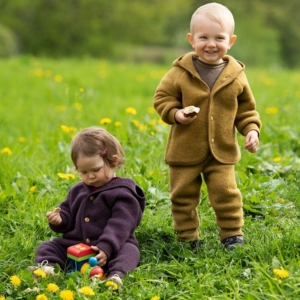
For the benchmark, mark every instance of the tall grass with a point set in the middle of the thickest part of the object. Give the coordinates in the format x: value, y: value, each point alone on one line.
x: 44, y: 102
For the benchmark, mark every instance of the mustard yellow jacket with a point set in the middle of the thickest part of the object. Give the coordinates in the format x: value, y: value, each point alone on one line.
x: 230, y: 105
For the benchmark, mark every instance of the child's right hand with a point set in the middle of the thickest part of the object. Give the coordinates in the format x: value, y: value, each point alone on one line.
x: 54, y: 217
x: 181, y: 118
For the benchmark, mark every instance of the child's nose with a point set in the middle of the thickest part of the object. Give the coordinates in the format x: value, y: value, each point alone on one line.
x: 211, y: 43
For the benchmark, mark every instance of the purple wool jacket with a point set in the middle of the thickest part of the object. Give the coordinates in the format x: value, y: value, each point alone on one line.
x: 106, y: 218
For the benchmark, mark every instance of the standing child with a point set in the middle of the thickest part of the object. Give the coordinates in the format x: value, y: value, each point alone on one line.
x: 102, y: 211
x: 206, y: 143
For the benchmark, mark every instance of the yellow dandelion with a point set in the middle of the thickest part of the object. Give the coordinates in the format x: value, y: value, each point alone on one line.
x: 277, y: 159
x: 160, y: 121
x: 81, y: 90
x: 281, y: 200
x: 135, y: 123
x: 151, y: 110
x: 142, y: 127
x: 67, y: 295
x: 66, y: 176
x: 111, y: 284
x: 52, y: 288
x: 32, y: 188
x: 281, y: 273
x: 152, y: 133
x: 77, y: 105
x: 68, y: 129
x: 41, y: 297
x: 153, y: 122
x: 15, y: 280
x: 38, y: 72
x: 118, y: 124
x: 21, y: 139
x: 105, y: 121
x: 131, y: 110
x: 271, y: 110
x: 60, y: 108
x: 40, y: 273
x: 2, y: 298
x: 155, y: 298
x: 58, y: 78
x: 269, y: 81
x: 6, y: 150
x: 86, y: 290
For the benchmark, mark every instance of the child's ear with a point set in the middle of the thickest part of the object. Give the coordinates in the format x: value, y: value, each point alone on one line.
x: 190, y: 39
x: 232, y: 41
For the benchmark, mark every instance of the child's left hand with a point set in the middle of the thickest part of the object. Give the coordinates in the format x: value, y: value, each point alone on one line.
x: 101, y: 256
x: 252, y: 141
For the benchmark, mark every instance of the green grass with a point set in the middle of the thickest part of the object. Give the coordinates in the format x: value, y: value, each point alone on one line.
x: 38, y: 96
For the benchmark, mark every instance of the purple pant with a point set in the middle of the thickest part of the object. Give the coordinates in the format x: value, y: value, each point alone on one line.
x: 55, y: 252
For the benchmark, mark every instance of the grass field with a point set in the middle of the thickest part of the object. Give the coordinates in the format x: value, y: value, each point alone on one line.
x: 44, y: 102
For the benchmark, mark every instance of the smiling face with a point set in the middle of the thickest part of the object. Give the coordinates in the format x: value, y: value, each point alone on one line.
x: 210, y: 39
x: 93, y: 170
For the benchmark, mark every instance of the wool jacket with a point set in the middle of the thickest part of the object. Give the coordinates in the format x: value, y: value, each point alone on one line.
x: 106, y: 218
x: 228, y: 106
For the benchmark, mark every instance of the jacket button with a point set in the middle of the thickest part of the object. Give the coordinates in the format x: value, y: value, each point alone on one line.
x: 212, y: 118
x: 212, y: 140
x: 87, y: 219
x: 88, y: 240
x: 92, y: 198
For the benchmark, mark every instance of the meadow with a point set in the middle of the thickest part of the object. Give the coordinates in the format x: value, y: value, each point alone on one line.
x: 45, y: 102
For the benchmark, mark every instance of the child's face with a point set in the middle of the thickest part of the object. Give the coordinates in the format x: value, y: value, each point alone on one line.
x: 210, y: 40
x: 94, y: 171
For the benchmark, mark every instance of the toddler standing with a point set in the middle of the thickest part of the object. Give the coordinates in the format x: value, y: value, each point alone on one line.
x: 206, y: 143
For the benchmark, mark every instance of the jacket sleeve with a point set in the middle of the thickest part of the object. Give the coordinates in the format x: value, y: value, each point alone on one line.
x: 126, y: 214
x: 167, y: 97
x: 247, y: 117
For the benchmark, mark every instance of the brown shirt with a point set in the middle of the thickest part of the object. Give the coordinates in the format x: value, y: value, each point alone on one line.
x: 209, y: 73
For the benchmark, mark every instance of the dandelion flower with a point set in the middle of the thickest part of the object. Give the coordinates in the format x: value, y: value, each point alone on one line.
x: 6, y: 150
x: 151, y: 110
x: 271, y: 110
x: 135, y: 123
x: 66, y: 176
x: 21, y: 139
x: 58, y: 78
x: 105, y: 121
x: 111, y: 284
x: 41, y: 297
x: 118, y: 124
x: 15, y: 280
x: 2, y: 298
x: 277, y: 159
x: 86, y: 290
x: 32, y: 188
x: 155, y: 298
x: 68, y: 129
x: 281, y: 273
x: 77, y: 105
x: 52, y: 288
x: 81, y: 90
x: 67, y: 295
x: 281, y: 200
x: 131, y: 110
x: 40, y: 273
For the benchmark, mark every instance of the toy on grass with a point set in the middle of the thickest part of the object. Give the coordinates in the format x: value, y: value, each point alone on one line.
x: 82, y: 259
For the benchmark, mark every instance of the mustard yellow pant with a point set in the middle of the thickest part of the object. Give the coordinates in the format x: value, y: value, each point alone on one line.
x: 224, y: 196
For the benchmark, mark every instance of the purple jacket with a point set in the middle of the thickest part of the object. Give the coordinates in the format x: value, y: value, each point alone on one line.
x: 106, y: 218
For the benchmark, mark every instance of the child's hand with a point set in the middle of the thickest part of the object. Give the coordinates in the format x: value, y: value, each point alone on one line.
x: 54, y: 217
x: 101, y: 256
x: 181, y: 118
x: 252, y: 141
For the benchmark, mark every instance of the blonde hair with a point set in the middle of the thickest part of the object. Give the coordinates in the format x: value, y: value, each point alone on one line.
x: 95, y: 140
x: 217, y: 12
